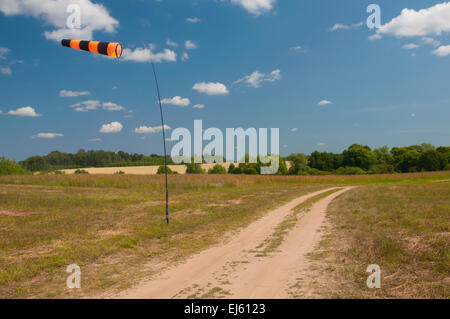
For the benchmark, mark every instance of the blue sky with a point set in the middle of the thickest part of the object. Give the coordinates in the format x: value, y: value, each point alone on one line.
x: 311, y: 68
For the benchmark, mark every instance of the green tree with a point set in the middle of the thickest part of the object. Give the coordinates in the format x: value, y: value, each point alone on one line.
x: 10, y: 167
x: 406, y: 159
x: 359, y: 156
x: 432, y: 160
x: 299, y: 163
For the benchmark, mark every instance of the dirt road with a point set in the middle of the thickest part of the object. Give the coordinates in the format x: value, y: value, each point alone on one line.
x: 234, y: 270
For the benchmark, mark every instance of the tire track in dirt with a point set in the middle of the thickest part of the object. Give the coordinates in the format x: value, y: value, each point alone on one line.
x: 231, y: 270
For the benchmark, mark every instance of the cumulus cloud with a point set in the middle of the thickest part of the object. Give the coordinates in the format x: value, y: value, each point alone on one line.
x: 91, y: 105
x: 185, y: 56
x: 199, y: 106
x: 189, y: 45
x: 146, y: 54
x: 443, y: 50
x: 257, y: 78
x: 426, y: 22
x: 177, y: 101
x: 193, y: 20
x: 296, y: 48
x: 47, y: 135
x: 324, y: 102
x: 150, y: 130
x: 294, y: 129
x: 211, y: 88
x: 94, y: 17
x: 26, y: 111
x: 69, y: 93
x: 410, y: 46
x: 5, y: 71
x: 113, y: 127
x: 256, y: 7
x: 94, y: 140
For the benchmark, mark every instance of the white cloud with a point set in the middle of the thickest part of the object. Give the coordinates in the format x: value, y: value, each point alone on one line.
x: 324, y: 102
x: 5, y: 71
x: 94, y: 17
x: 297, y: 48
x: 94, y: 140
x: 410, y: 46
x: 1, y: 111
x: 199, y: 106
x: 110, y: 106
x: 341, y: 26
x: 193, y: 20
x: 321, y: 144
x: 257, y: 78
x: 150, y: 130
x: 256, y: 7
x: 69, y: 93
x: 177, y: 101
x: 211, y: 88
x: 294, y: 129
x: 185, y: 56
x: 375, y: 36
x: 171, y: 43
x: 443, y: 50
x: 86, y: 105
x: 431, y: 41
x: 147, y: 55
x: 47, y: 135
x: 91, y: 105
x: 24, y: 111
x: 3, y: 52
x: 189, y: 45
x: 113, y: 127
x: 410, y: 23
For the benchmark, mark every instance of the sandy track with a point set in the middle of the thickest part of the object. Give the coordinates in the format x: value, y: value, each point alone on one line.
x: 233, y: 270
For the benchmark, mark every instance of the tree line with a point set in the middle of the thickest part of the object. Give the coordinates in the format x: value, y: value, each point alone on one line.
x: 357, y: 159
x: 58, y: 160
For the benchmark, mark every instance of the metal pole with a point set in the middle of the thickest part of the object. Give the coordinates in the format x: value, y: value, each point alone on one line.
x: 164, y: 141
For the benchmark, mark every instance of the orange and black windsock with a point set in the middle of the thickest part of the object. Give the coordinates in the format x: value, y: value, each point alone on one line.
x: 112, y: 49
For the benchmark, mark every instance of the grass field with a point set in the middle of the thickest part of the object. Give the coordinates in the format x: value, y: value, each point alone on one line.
x: 113, y: 226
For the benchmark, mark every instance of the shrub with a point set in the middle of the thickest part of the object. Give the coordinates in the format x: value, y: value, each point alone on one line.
x: 350, y: 170
x: 119, y: 173
x: 162, y: 170
x: 217, y: 169
x: 81, y: 171
x: 194, y: 168
x: 10, y: 167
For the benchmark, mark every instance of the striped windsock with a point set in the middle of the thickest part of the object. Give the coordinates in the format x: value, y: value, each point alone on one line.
x: 112, y: 49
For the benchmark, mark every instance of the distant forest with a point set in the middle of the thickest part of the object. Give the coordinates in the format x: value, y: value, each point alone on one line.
x: 357, y: 159
x: 57, y: 160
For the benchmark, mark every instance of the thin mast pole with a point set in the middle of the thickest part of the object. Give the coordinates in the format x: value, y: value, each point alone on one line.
x: 164, y: 141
